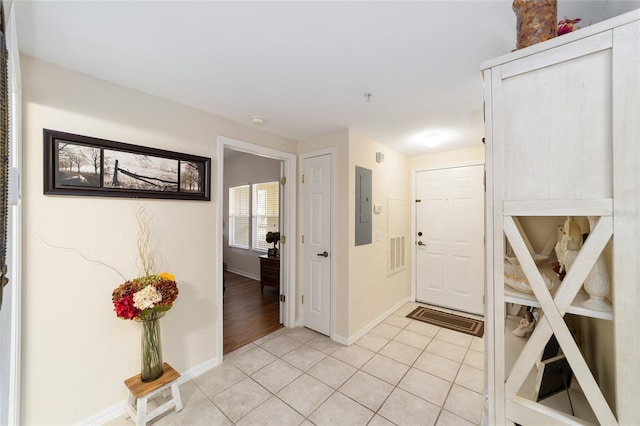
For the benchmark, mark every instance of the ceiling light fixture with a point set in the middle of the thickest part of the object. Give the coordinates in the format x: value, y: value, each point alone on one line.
x: 257, y: 120
x: 432, y: 139
x: 368, y: 96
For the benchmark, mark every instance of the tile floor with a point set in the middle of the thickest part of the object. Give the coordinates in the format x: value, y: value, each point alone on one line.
x: 403, y: 372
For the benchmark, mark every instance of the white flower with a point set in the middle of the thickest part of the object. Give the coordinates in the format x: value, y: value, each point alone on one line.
x: 145, y: 298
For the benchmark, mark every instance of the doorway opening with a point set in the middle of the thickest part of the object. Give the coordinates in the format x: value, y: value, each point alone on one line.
x: 255, y: 199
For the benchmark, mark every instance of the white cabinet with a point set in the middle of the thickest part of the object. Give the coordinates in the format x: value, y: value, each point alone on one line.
x: 563, y: 139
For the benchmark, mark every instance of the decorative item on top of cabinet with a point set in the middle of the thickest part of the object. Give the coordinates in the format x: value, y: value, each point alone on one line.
x: 535, y: 21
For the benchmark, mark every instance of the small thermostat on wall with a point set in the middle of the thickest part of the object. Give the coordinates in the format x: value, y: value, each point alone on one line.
x: 377, y: 208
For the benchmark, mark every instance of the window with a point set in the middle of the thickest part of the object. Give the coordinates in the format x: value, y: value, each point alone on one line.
x: 239, y: 216
x: 257, y: 205
x: 266, y: 210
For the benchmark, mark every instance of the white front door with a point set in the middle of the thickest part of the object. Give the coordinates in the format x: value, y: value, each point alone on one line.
x: 316, y: 243
x: 450, y: 238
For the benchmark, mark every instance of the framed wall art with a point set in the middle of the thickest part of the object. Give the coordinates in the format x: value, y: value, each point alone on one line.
x: 87, y: 166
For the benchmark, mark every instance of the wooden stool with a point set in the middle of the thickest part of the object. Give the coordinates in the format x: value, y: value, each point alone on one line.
x: 140, y: 392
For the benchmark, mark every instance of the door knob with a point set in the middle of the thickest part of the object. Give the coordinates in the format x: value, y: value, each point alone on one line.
x: 323, y: 254
x: 420, y: 243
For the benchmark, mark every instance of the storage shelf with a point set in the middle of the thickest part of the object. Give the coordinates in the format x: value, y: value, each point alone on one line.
x: 559, y: 401
x: 512, y: 295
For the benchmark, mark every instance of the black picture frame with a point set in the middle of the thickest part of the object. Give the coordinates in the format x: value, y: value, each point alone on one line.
x: 88, y: 166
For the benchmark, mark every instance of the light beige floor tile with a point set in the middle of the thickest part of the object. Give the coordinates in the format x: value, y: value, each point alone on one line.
x: 426, y: 386
x: 411, y: 338
x: 242, y: 349
x: 332, y: 372
x: 273, y: 412
x: 253, y: 360
x: 301, y: 334
x: 120, y: 421
x: 477, y: 344
x: 373, y: 342
x: 219, y: 378
x: 280, y: 345
x: 340, y: 410
x: 400, y: 352
x: 423, y: 328
x: 367, y: 390
x: 266, y: 338
x: 402, y: 408
x: 437, y: 365
x: 397, y: 320
x: 475, y: 359
x: 454, y: 337
x: 324, y: 344
x: 240, y: 399
x: 353, y: 355
x: 465, y: 403
x: 448, y: 419
x: 386, y: 330
x: 304, y: 357
x: 471, y: 378
x: 387, y: 369
x: 276, y: 375
x: 446, y: 350
x: 305, y: 394
x: 406, y: 309
x: 379, y: 421
x: 203, y: 413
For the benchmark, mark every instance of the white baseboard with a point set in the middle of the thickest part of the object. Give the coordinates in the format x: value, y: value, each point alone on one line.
x: 349, y: 341
x: 105, y: 416
x: 244, y: 274
x: 118, y: 410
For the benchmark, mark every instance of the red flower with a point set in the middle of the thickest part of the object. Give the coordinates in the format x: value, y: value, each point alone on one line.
x: 124, y: 307
x: 567, y: 25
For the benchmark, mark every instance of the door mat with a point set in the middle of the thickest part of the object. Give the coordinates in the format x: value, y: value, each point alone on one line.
x: 454, y: 322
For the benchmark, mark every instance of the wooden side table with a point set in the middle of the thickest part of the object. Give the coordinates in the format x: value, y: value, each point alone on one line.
x: 141, y: 392
x: 269, y: 272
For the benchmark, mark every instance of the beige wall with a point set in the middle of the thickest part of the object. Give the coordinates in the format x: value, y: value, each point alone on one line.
x: 75, y: 352
x: 448, y: 158
x: 243, y: 169
x: 371, y: 291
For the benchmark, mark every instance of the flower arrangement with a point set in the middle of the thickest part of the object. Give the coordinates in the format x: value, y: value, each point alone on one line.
x: 145, y: 297
x: 568, y: 25
x: 149, y: 295
x: 272, y: 237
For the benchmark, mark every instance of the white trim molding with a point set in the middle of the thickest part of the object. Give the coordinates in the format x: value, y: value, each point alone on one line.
x: 288, y: 249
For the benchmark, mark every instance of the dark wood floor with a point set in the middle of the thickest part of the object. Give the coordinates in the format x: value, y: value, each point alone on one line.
x: 247, y: 314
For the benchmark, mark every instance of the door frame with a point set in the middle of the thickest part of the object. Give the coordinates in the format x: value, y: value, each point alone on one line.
x: 288, y: 259
x: 414, y: 253
x: 332, y: 197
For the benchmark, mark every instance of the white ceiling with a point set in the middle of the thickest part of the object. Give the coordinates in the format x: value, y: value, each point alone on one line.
x: 303, y: 66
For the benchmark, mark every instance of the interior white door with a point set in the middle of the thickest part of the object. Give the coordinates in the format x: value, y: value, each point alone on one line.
x: 450, y: 238
x: 316, y: 251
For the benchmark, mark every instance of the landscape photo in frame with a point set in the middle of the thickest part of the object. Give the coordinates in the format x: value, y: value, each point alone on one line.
x: 87, y: 166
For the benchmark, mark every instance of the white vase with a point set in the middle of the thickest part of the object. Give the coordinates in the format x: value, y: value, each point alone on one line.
x: 597, y: 283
